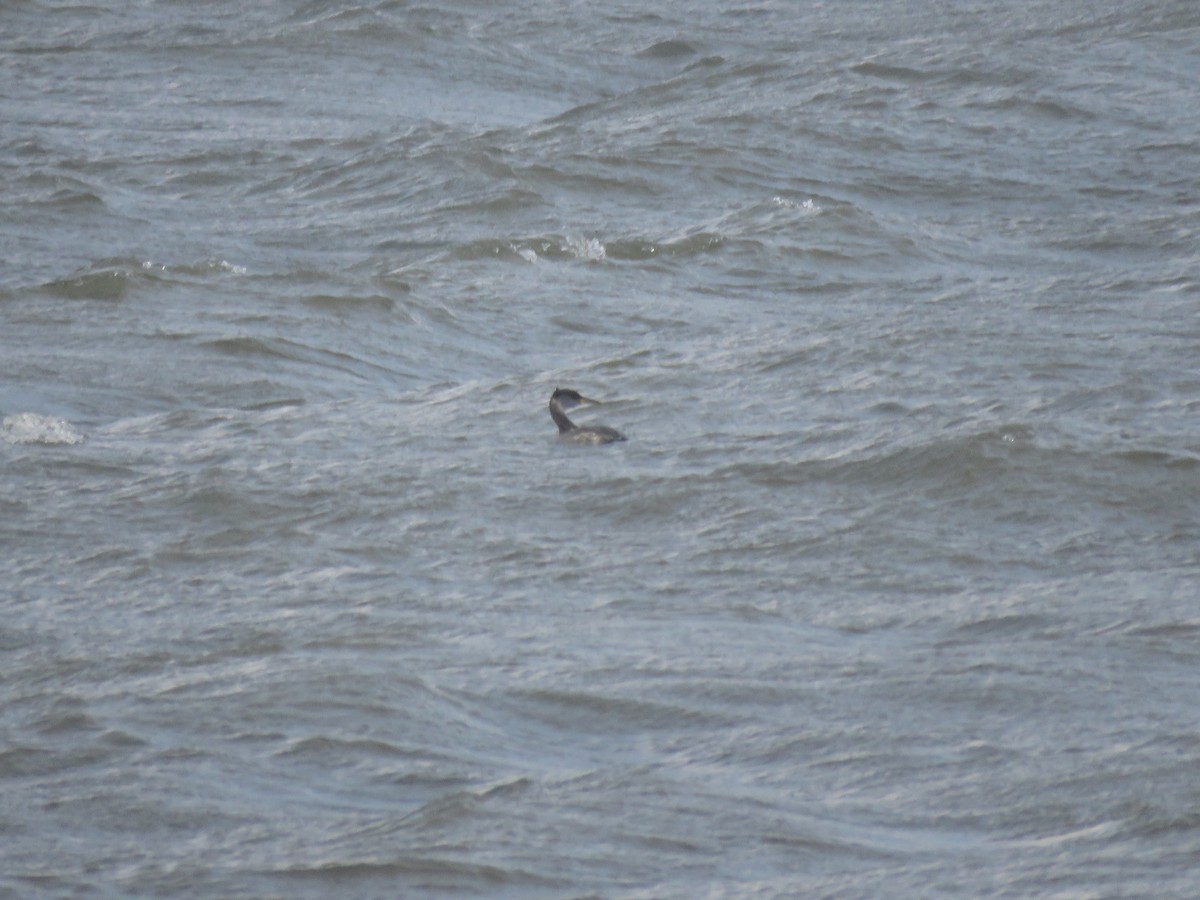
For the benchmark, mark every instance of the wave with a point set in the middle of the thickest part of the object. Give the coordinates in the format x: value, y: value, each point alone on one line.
x: 104, y: 284
x: 1012, y: 459
x: 753, y: 227
x: 112, y: 279
x: 58, y: 191
x: 34, y: 428
x: 588, y: 248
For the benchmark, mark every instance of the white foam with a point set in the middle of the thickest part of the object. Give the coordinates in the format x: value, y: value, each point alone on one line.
x: 808, y: 204
x: 585, y: 248
x: 31, y: 428
x: 201, y: 268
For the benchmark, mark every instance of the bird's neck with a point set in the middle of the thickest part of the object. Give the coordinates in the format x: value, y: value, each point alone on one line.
x: 560, y: 419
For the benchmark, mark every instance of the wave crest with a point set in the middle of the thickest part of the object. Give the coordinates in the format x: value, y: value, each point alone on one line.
x: 32, y: 428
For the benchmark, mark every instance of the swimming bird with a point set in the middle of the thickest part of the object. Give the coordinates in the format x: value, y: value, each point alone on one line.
x: 563, y: 399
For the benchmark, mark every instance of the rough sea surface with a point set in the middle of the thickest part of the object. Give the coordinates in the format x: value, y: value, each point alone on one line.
x: 894, y: 590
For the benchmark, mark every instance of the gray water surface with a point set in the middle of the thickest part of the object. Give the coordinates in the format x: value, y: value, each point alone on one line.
x: 891, y: 592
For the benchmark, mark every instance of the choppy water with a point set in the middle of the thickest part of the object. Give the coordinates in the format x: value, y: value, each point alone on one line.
x: 892, y: 591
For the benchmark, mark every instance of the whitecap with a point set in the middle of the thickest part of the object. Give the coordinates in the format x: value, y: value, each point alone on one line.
x: 585, y: 248
x: 807, y: 204
x: 31, y: 428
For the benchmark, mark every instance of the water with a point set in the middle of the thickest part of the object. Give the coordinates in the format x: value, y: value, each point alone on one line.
x: 891, y: 591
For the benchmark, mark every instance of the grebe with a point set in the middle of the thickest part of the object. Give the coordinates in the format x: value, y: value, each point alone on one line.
x: 563, y: 399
